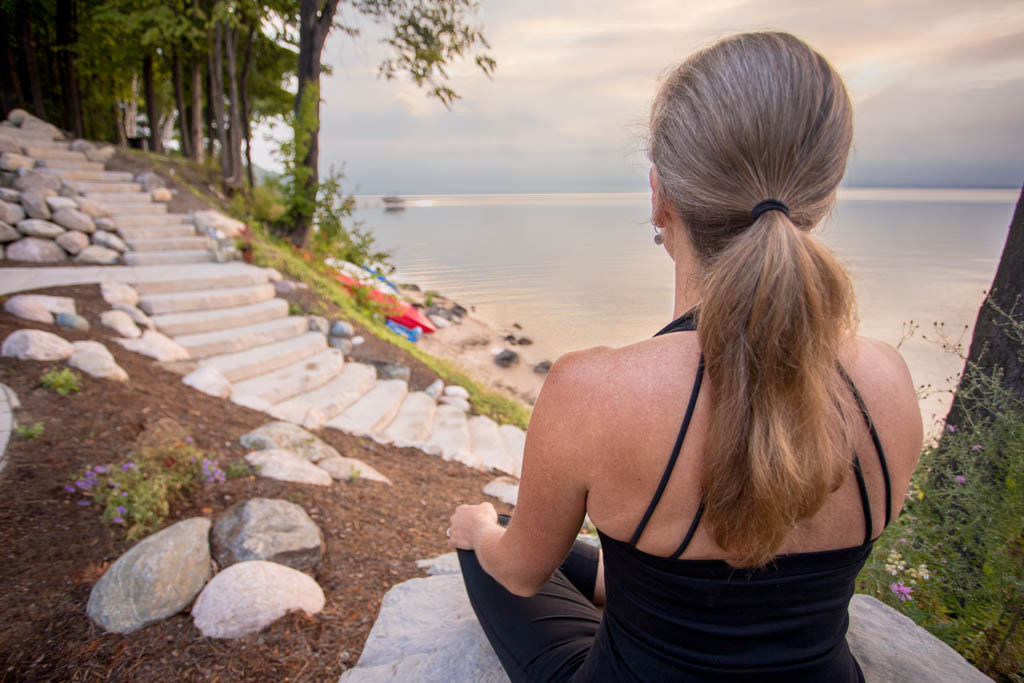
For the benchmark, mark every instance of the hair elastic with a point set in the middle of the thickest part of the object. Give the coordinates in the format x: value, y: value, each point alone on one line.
x: 768, y: 205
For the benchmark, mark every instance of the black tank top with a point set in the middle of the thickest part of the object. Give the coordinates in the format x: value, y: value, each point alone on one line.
x: 669, y: 619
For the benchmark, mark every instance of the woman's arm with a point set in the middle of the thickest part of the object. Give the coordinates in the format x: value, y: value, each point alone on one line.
x: 558, y: 459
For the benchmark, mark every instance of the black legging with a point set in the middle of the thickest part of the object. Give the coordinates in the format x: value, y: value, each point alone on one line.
x: 545, y: 637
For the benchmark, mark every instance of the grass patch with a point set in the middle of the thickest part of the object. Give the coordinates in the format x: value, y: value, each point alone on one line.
x: 30, y: 432
x: 63, y: 380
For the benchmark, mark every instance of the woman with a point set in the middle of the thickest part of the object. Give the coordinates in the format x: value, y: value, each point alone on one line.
x: 739, y: 465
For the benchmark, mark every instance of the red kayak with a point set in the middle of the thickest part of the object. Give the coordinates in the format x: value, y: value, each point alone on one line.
x: 394, y: 308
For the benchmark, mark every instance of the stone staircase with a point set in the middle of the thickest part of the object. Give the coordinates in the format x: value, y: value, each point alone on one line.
x: 231, y: 321
x: 153, y: 235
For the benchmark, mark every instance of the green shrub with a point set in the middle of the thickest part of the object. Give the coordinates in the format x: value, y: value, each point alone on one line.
x: 238, y: 470
x: 30, y: 432
x: 62, y: 380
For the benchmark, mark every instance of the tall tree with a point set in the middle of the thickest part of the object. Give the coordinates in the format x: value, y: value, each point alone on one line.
x: 426, y: 35
x: 66, y: 28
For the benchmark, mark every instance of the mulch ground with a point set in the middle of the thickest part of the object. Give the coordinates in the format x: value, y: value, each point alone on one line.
x: 53, y: 550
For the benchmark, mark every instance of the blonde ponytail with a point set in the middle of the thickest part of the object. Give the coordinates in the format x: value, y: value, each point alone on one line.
x: 755, y: 117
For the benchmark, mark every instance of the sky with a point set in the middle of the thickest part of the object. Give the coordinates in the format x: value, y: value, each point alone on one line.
x: 937, y: 86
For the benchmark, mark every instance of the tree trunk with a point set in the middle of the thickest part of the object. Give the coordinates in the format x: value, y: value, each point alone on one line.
x: 244, y: 86
x: 197, y: 109
x: 315, y: 21
x: 65, y: 26
x: 216, y: 94
x: 11, y: 95
x: 179, y: 100
x: 131, y: 110
x: 28, y: 43
x: 233, y: 180
x: 152, y: 113
x: 991, y: 348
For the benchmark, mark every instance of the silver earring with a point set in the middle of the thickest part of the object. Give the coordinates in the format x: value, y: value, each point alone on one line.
x: 658, y: 239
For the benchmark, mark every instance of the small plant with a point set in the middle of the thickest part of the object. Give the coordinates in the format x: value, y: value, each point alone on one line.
x: 243, y: 243
x: 295, y: 309
x: 212, y: 472
x: 354, y: 474
x: 238, y: 470
x: 64, y: 380
x: 30, y: 432
x: 429, y: 296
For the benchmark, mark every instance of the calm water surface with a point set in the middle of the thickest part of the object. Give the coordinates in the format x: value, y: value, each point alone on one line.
x: 580, y: 270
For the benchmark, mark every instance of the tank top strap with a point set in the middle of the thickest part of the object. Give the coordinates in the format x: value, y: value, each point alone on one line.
x: 672, y: 460
x: 878, y: 449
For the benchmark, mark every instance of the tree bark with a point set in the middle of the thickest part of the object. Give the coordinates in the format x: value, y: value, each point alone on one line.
x: 991, y: 348
x: 233, y: 155
x: 179, y: 100
x: 152, y: 113
x: 315, y: 20
x: 216, y: 94
x: 65, y: 26
x: 28, y: 43
x: 244, y: 86
x: 197, y: 109
x: 11, y: 95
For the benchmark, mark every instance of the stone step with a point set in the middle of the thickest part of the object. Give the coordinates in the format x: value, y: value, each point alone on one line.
x: 206, y: 299
x: 157, y: 232
x: 19, y: 138
x: 46, y: 152
x: 157, y: 258
x: 304, y: 375
x: 170, y: 243
x: 115, y: 197
x: 237, y: 339
x: 412, y: 424
x: 374, y: 411
x: 263, y: 359
x: 332, y: 398
x: 69, y: 165
x: 135, y: 208
x: 147, y: 220
x: 487, y: 444
x: 88, y: 187
x: 515, y: 442
x: 197, y: 322
x: 72, y: 175
x: 450, y: 435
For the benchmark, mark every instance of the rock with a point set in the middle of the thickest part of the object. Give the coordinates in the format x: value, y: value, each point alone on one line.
x: 17, y: 116
x: 442, y: 564
x: 287, y: 466
x: 251, y: 401
x: 505, y: 489
x: 35, y: 250
x: 9, y: 146
x: 435, y: 389
x: 72, y: 241
x: 38, y: 307
x: 7, y: 194
x: 357, y: 340
x: 10, y: 161
x: 155, y: 345
x: 456, y: 391
x: 73, y: 219
x: 426, y: 631
x: 506, y: 359
x: 101, y: 155
x: 58, y: 203
x: 287, y: 436
x: 391, y: 370
x: 161, y: 194
x: 109, y: 240
x: 891, y: 648
x: 248, y: 596
x: 136, y: 315
x: 267, y: 529
x: 107, y: 224
x: 150, y: 181
x: 272, y: 274
x: 8, y: 234
x: 120, y: 322
x: 439, y: 322
x: 72, y: 320
x: 211, y: 221
x: 36, y: 227
x: 35, y: 345
x: 157, y: 578
x: 340, y: 343
x: 343, y: 469
x: 95, y: 359
x: 95, y: 210
x: 41, y: 128
x: 543, y: 367
x: 209, y: 381
x: 80, y: 145
x: 318, y: 323
x: 119, y: 293
x: 11, y: 213
x: 98, y: 255
x: 35, y: 205
x: 460, y: 403
x: 33, y: 181
x: 343, y: 328
x: 524, y: 341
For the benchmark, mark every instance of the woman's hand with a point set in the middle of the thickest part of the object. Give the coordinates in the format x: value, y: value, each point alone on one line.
x: 467, y: 523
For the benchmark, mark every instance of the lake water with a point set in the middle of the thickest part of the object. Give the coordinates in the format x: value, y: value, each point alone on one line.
x: 580, y: 270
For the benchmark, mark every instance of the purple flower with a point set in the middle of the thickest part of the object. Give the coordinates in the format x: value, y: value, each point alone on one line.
x: 976, y: 447
x: 902, y: 592
x: 121, y: 509
x: 118, y: 520
x: 84, y: 485
x: 84, y: 502
x: 124, y: 493
x: 188, y: 439
x: 129, y: 466
x: 961, y: 479
x: 89, y: 474
x: 951, y: 428
x: 113, y: 484
x: 102, y: 469
x: 69, y: 489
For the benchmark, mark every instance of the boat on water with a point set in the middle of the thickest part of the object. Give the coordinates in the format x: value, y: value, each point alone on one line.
x: 392, y: 200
